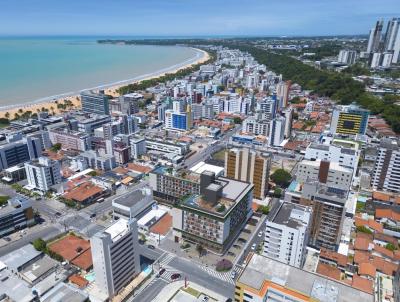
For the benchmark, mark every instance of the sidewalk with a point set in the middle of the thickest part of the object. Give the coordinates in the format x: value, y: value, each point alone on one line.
x: 171, y: 289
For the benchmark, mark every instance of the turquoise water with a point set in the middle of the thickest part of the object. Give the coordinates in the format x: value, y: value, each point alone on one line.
x: 90, y: 277
x: 35, y: 68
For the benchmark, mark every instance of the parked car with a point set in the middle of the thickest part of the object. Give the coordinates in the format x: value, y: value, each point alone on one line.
x: 162, y: 271
x: 175, y: 276
x: 92, y: 215
x: 205, y: 299
x: 260, y: 234
x: 152, y: 247
x: 253, y: 247
x: 8, y: 239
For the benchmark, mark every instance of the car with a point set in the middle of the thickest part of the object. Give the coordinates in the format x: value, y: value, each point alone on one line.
x: 58, y: 214
x: 260, y: 234
x: 253, y: 247
x: 175, y: 276
x: 162, y: 271
x: 92, y: 215
x: 233, y: 275
x: 8, y: 239
x: 205, y: 299
x: 152, y: 247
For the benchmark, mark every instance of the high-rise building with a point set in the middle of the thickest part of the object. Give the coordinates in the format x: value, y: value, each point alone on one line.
x: 247, y: 165
x: 328, y: 212
x: 376, y: 60
x: 286, y: 233
x: 350, y: 120
x: 392, y: 39
x: 345, y: 156
x: 375, y: 36
x: 95, y: 103
x: 115, y: 253
x: 20, y: 151
x: 138, y: 146
x: 255, y: 126
x: 43, y: 173
x: 347, y: 56
x: 276, y: 131
x: 329, y: 173
x: 386, y: 175
x: 213, y: 217
x: 266, y: 279
x: 282, y: 92
x: 180, y: 117
x: 387, y: 58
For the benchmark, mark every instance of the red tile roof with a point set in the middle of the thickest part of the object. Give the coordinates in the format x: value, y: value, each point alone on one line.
x: 362, y: 284
x: 367, y: 269
x: 84, y: 260
x: 340, y: 259
x: 329, y: 271
x: 387, y: 213
x: 162, y: 226
x: 78, y: 280
x: 70, y: 247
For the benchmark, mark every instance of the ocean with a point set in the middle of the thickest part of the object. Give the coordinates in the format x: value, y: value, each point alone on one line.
x: 34, y: 69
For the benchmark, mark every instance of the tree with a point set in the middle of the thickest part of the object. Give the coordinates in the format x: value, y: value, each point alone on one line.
x: 277, y: 192
x: 7, y: 115
x: 200, y: 249
x: 281, y: 177
x: 390, y: 247
x: 263, y: 209
x: 56, y: 147
x: 223, y: 265
x: 92, y: 173
x: 237, y: 120
x: 39, y: 244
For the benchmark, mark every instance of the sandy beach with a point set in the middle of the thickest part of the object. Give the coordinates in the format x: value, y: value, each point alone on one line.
x: 50, y: 103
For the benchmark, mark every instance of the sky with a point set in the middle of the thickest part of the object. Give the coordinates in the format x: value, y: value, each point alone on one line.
x: 193, y: 17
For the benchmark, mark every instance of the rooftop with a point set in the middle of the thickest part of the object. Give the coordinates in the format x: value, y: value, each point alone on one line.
x: 130, y: 199
x: 290, y: 214
x: 19, y: 257
x: 70, y: 247
x: 232, y: 192
x: 117, y: 230
x: 66, y: 293
x: 261, y: 269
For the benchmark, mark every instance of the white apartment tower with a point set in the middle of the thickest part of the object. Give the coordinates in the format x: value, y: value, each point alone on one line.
x: 43, y: 173
x: 115, y: 253
x: 287, y: 233
x: 276, y: 131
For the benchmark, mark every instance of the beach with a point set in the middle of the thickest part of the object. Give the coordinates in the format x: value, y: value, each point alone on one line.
x: 50, y: 103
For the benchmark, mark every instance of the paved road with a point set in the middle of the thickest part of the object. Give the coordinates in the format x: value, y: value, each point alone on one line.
x: 150, y: 292
x: 45, y: 233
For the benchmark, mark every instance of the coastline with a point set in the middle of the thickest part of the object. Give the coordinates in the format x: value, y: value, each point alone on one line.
x: 51, y: 101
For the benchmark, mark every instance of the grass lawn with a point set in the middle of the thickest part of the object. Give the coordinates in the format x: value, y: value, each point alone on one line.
x: 4, y: 199
x: 191, y: 291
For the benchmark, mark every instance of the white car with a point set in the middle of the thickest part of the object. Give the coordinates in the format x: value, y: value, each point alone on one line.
x: 260, y: 234
x: 253, y: 247
x: 233, y: 275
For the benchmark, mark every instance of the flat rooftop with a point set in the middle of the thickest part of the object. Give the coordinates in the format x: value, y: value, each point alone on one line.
x: 232, y: 192
x: 289, y: 214
x: 118, y: 229
x: 131, y: 198
x: 261, y: 269
x: 19, y: 257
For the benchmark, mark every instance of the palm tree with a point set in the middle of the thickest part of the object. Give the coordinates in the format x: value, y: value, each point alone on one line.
x: 16, y: 116
x: 7, y: 115
x: 37, y: 110
x: 20, y: 110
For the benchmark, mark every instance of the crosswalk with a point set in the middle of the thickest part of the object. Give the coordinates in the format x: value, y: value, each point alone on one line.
x: 222, y: 276
x: 166, y: 258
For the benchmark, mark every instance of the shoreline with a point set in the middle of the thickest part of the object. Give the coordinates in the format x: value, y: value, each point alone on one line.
x: 110, y: 88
